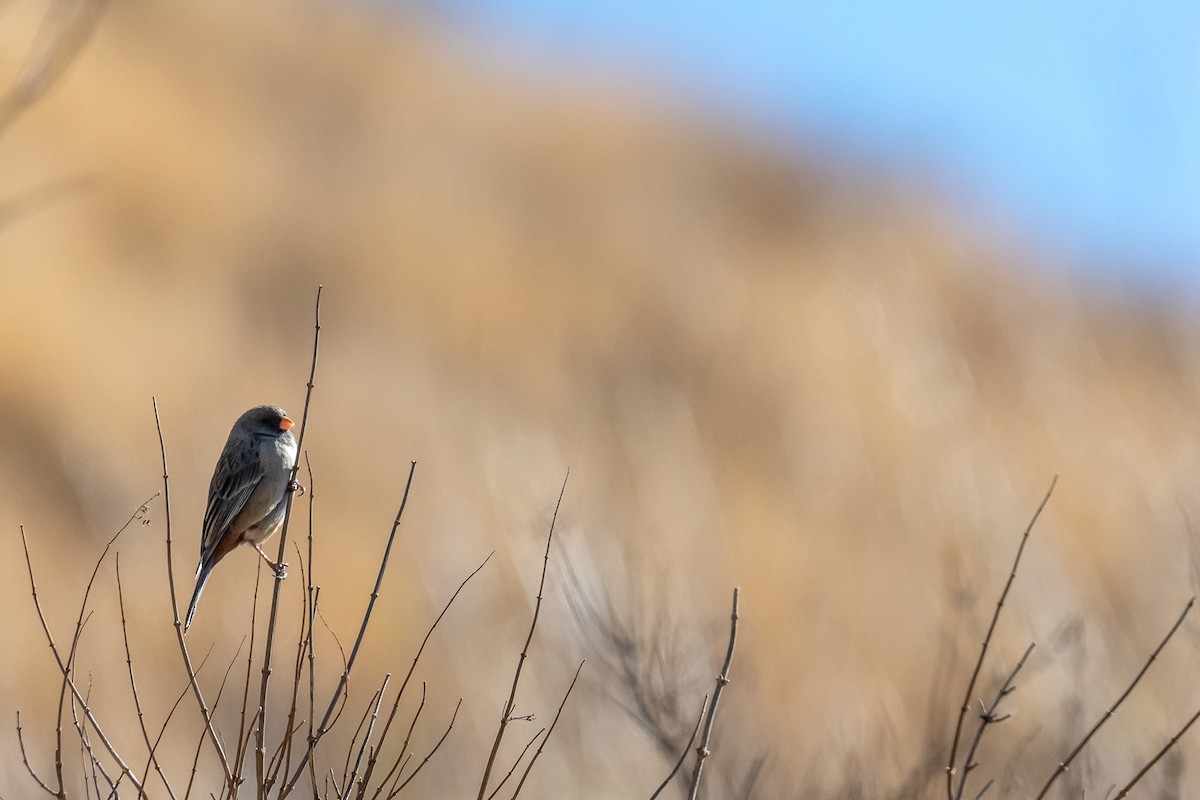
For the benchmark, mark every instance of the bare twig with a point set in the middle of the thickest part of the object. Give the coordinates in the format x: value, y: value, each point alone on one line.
x: 549, y: 733
x: 987, y: 639
x: 25, y: 759
x: 264, y: 783
x: 362, y: 723
x: 85, y: 742
x: 66, y: 672
x: 1150, y: 764
x: 325, y: 725
x: 163, y: 729
x: 683, y: 756
x: 1066, y: 763
x: 412, y: 667
x: 506, y: 715
x: 183, y: 650
x: 400, y: 757
x: 431, y: 753
x: 246, y: 730
x: 187, y: 792
x: 282, y: 758
x: 137, y: 702
x: 366, y: 738
x: 139, y: 515
x: 312, y: 611
x: 516, y: 763
x: 990, y: 716
x: 703, y: 752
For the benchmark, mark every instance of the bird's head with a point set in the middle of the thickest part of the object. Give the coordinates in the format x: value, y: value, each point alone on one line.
x: 265, y: 421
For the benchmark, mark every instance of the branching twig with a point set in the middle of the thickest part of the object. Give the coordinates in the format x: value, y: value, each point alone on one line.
x: 137, y: 702
x: 506, y: 716
x: 987, y: 639
x: 366, y: 738
x: 431, y: 753
x: 549, y: 733
x: 163, y: 729
x: 400, y: 757
x: 404, y: 684
x: 264, y: 783
x: 323, y: 728
x: 66, y: 672
x: 245, y: 730
x: 686, y: 748
x: 703, y: 752
x: 516, y: 763
x: 183, y: 650
x: 1157, y: 757
x: 989, y: 716
x: 25, y: 759
x: 1065, y: 764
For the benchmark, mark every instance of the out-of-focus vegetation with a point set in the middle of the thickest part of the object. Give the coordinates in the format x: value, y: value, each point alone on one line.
x: 760, y: 370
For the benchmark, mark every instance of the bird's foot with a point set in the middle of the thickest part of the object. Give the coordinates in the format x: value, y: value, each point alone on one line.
x: 297, y: 487
x: 279, y: 569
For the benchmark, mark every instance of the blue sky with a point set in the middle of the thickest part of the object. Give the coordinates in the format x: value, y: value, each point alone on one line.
x: 1075, y: 123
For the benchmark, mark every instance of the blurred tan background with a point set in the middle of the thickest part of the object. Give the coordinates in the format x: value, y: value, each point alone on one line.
x: 761, y: 370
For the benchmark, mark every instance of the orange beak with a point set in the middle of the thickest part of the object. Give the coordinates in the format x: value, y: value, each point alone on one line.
x: 286, y: 424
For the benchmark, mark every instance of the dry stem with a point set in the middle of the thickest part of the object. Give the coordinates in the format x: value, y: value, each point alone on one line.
x: 987, y: 639
x: 183, y: 650
x: 1066, y: 763
x: 683, y: 756
x: 988, y: 717
x: 325, y: 725
x: 702, y: 752
x: 264, y: 782
x: 506, y: 716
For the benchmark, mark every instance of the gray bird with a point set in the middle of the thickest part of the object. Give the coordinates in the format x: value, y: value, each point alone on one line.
x: 247, y: 497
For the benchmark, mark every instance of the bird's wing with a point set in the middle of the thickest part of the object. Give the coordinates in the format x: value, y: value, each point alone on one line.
x: 238, y: 471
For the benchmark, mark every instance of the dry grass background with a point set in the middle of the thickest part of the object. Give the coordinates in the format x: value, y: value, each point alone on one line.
x: 761, y: 371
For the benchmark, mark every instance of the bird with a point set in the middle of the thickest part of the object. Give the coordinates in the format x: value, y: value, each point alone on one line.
x: 247, y: 497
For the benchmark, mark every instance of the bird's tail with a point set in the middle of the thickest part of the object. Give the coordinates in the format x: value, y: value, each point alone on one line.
x: 202, y: 574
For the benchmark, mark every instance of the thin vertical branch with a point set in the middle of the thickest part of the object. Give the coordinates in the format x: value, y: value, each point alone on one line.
x: 313, y: 594
x: 25, y: 759
x: 264, y: 783
x: 325, y: 725
x: 283, y: 754
x: 516, y: 763
x: 412, y: 667
x: 139, y: 514
x: 549, y: 733
x: 1066, y: 763
x: 245, y: 730
x: 703, y: 752
x: 400, y: 757
x: 366, y: 738
x: 183, y: 650
x: 65, y: 669
x: 683, y: 755
x: 431, y: 753
x: 362, y: 723
x: 162, y: 731
x: 511, y: 703
x: 990, y: 716
x: 137, y: 702
x: 1150, y: 764
x: 987, y: 639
